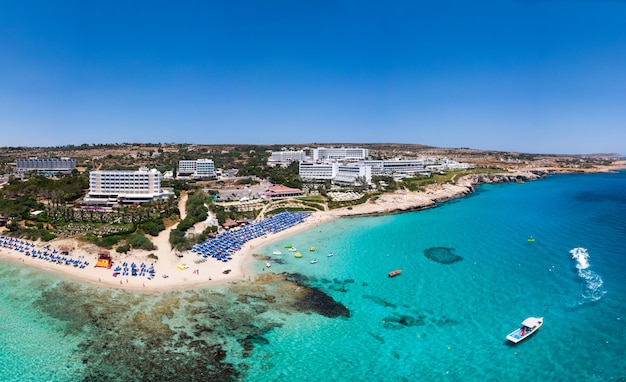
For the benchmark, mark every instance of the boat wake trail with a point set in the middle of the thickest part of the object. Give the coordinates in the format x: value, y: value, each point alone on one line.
x: 593, y: 290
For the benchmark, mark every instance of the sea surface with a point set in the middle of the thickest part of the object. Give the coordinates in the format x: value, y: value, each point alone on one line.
x: 469, y: 277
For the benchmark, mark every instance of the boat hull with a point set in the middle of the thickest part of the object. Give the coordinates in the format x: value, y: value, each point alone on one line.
x: 523, y: 332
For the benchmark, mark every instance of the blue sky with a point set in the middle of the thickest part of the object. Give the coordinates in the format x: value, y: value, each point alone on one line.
x: 531, y: 76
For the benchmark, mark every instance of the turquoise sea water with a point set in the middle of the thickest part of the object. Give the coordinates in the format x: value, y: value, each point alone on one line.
x: 434, y: 322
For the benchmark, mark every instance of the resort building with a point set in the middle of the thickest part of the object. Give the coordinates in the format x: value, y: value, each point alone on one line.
x: 408, y: 167
x: 348, y: 167
x: 112, y: 188
x: 449, y: 164
x: 284, y: 157
x: 317, y: 172
x: 353, y: 175
x: 282, y: 192
x: 323, y: 154
x: 46, y: 165
x: 199, y: 168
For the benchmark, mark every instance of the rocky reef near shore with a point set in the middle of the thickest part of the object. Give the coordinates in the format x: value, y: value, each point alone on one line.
x: 190, y: 335
x: 477, y: 179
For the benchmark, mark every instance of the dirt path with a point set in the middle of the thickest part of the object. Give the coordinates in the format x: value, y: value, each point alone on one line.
x: 162, y: 241
x: 182, y: 204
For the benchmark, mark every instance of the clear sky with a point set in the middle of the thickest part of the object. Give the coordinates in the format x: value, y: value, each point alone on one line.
x: 531, y: 76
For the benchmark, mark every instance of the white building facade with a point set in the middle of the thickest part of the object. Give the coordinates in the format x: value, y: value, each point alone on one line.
x: 357, y: 173
x: 199, y: 168
x: 110, y: 188
x: 353, y: 175
x: 285, y: 157
x: 323, y: 154
x: 407, y: 167
x: 49, y: 165
x: 205, y: 168
x: 186, y: 167
x: 317, y: 172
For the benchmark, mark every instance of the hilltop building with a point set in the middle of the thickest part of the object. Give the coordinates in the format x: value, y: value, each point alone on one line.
x: 199, y: 168
x: 285, y: 157
x: 318, y: 155
x: 333, y: 154
x: 46, y: 165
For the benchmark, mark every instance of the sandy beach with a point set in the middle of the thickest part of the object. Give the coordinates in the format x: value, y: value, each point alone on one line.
x: 173, y: 272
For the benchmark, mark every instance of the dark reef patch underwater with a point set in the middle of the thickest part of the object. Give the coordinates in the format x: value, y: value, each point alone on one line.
x: 182, y: 335
x: 442, y: 255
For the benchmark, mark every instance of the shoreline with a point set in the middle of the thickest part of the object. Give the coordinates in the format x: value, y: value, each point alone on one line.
x: 176, y: 273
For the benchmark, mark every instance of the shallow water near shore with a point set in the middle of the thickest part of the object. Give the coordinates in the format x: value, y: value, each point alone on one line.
x: 438, y: 320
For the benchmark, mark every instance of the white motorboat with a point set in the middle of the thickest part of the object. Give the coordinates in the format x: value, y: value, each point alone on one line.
x: 268, y: 264
x: 313, y: 261
x: 330, y: 254
x: 277, y: 253
x: 292, y: 249
x: 529, y: 326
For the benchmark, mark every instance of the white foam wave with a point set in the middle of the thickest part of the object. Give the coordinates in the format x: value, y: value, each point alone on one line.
x: 593, y: 281
x: 581, y: 256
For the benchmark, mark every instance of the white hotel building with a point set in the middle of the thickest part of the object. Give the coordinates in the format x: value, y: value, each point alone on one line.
x: 349, y: 166
x: 199, y: 168
x: 318, y: 155
x: 112, y: 188
x: 323, y: 154
x: 316, y: 172
x: 407, y: 167
x: 340, y: 174
x: 285, y: 157
x: 351, y: 174
x: 46, y: 165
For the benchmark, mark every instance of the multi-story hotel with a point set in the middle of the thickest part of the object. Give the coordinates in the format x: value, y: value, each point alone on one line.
x: 111, y: 188
x: 199, y: 168
x: 46, y: 165
x: 286, y: 157
x: 317, y: 171
x: 361, y: 172
x: 353, y: 175
x: 397, y: 166
x: 322, y: 154
x: 341, y: 174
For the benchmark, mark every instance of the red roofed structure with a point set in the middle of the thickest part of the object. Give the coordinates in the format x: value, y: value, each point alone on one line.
x: 279, y: 191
